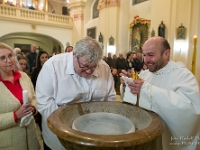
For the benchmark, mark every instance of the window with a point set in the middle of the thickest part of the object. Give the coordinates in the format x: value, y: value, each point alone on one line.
x: 95, y: 10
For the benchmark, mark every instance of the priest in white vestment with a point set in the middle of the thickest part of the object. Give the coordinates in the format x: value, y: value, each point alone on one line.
x: 169, y: 89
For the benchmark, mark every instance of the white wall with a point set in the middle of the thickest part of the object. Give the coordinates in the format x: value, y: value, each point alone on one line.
x: 142, y: 9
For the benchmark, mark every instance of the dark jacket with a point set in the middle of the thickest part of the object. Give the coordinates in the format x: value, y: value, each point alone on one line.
x: 138, y: 65
x: 109, y: 61
x: 121, y: 63
x: 34, y: 75
x: 31, y: 60
x: 128, y: 67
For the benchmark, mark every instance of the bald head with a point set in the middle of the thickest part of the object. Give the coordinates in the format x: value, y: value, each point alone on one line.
x: 33, y: 48
x: 156, y: 52
x: 69, y: 49
x: 121, y: 55
x: 159, y: 41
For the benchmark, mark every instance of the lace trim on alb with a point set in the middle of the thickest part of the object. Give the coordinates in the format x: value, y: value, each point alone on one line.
x: 167, y: 71
x: 144, y: 74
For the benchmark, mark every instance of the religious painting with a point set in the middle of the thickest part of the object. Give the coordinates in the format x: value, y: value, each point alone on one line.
x: 139, y: 33
x: 25, y: 48
x: 134, y: 2
x: 139, y: 36
x: 95, y: 12
x: 111, y: 41
x: 181, y: 32
x: 91, y: 32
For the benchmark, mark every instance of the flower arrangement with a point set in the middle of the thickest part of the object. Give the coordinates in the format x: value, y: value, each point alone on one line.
x: 137, y: 20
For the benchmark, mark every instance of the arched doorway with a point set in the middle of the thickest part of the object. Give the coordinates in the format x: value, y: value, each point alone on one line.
x: 24, y: 39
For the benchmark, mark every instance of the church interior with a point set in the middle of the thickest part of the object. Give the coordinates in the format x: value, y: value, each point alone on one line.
x: 55, y: 24
x: 120, y: 26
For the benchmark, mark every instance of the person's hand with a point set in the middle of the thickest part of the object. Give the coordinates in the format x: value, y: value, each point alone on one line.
x: 24, y: 110
x: 135, y: 86
x: 125, y: 74
x: 33, y: 68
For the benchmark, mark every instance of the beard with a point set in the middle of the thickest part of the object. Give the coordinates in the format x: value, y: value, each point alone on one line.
x: 155, y: 66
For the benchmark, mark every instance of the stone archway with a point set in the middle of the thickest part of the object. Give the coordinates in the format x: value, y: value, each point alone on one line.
x: 42, y: 41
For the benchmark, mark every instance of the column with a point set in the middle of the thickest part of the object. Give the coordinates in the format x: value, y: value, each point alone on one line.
x: 20, y: 3
x: 108, y: 24
x: 36, y: 4
x: 33, y: 3
x: 77, y: 14
x: 46, y: 5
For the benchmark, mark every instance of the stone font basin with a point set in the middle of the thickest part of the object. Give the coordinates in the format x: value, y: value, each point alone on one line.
x: 148, y: 126
x: 103, y: 123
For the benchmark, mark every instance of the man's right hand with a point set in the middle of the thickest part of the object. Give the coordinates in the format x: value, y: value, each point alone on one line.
x: 125, y: 74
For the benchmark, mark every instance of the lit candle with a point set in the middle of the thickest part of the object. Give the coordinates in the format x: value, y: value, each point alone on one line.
x: 194, y: 55
x: 195, y: 41
x: 25, y: 96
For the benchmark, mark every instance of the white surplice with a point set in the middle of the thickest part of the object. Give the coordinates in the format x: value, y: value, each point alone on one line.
x: 173, y: 93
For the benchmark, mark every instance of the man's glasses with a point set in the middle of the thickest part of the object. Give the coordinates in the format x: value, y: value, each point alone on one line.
x: 5, y: 59
x: 84, y: 67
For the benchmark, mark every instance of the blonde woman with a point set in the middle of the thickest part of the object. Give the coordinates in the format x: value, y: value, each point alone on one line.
x: 17, y: 51
x: 12, y: 83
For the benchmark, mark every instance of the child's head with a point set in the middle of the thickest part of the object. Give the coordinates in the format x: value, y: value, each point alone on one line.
x: 22, y: 61
x: 114, y: 71
x: 145, y: 67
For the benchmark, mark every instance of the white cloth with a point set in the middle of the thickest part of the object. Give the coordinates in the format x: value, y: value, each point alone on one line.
x: 126, y: 95
x: 173, y: 93
x: 26, y: 120
x: 129, y: 97
x: 58, y: 84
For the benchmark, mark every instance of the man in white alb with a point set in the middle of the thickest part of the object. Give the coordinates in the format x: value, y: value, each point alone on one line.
x: 78, y: 76
x: 171, y: 90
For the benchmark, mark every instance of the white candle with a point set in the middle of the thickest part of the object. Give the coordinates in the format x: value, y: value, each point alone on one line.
x: 25, y: 96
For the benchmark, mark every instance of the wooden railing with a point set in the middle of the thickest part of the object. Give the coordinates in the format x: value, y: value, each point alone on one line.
x: 34, y: 16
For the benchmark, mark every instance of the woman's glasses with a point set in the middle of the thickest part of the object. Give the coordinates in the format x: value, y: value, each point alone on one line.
x: 5, y: 59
